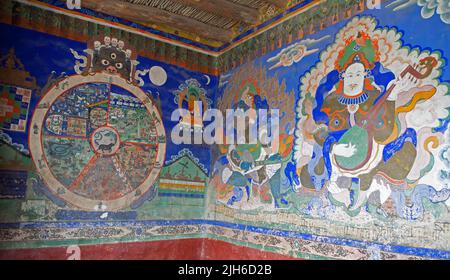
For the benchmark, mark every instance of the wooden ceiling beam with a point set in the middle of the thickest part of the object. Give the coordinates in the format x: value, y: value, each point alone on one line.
x: 147, y: 14
x: 282, y: 4
x: 225, y: 9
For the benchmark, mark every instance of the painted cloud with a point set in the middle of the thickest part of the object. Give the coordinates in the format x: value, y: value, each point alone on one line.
x: 295, y: 53
x: 429, y: 8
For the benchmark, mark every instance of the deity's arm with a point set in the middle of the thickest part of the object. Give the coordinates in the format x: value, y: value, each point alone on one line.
x: 181, y: 98
x: 332, y: 90
x: 397, y: 86
x: 375, y: 85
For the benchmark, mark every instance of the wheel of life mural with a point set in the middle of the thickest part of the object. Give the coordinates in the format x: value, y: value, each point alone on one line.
x: 97, y: 141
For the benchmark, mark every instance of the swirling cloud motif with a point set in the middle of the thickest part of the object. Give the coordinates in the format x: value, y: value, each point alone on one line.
x: 81, y: 61
x: 440, y: 7
x: 429, y: 8
x: 398, y: 5
x: 429, y: 113
x: 294, y: 53
x: 8, y: 140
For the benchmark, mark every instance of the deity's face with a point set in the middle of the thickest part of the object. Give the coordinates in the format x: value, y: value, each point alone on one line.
x: 113, y: 61
x: 354, y: 79
x: 247, y: 97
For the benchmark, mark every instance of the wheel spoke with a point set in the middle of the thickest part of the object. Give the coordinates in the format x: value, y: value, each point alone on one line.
x: 109, y: 105
x: 83, y: 172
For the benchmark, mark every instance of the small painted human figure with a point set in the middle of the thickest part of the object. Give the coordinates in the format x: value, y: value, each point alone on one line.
x: 190, y: 95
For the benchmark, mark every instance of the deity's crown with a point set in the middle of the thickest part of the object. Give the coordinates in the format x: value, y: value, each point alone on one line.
x: 109, y: 42
x: 252, y: 85
x: 361, y: 48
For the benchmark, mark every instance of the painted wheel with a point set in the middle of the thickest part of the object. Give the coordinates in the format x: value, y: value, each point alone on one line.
x: 97, y: 141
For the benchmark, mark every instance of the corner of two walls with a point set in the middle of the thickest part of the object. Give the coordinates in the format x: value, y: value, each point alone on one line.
x: 339, y: 185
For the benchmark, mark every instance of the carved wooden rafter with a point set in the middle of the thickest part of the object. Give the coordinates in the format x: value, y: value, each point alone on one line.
x: 236, y: 12
x: 148, y: 14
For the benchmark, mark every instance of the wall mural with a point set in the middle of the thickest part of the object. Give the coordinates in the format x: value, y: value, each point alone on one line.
x: 84, y: 132
x: 98, y: 141
x: 376, y: 116
x: 370, y: 144
x: 361, y: 170
x: 251, y: 175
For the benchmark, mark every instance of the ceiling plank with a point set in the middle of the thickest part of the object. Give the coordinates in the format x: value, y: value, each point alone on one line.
x: 225, y: 9
x: 282, y: 4
x: 142, y: 13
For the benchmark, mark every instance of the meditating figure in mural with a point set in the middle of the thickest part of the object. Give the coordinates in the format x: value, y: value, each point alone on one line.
x: 187, y: 97
x: 356, y: 121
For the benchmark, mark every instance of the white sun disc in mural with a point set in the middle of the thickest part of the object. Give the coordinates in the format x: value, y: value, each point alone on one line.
x: 158, y: 75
